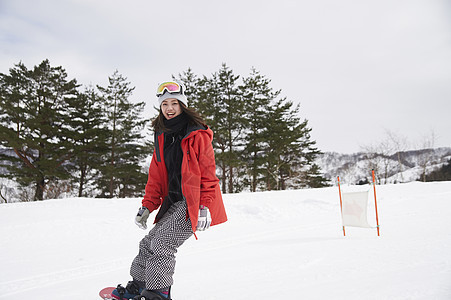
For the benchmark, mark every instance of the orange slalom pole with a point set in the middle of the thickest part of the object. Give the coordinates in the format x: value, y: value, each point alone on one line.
x: 341, y: 205
x: 375, y: 203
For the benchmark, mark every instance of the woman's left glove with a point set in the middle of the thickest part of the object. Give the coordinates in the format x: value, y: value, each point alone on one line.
x: 141, y: 217
x: 204, y: 221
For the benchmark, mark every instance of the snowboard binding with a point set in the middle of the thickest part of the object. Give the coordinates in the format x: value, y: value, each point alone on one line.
x: 149, y: 295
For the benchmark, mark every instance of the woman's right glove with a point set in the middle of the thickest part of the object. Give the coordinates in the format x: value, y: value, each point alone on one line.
x: 141, y: 217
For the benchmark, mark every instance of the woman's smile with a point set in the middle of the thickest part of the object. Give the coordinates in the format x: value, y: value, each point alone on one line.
x: 171, y: 108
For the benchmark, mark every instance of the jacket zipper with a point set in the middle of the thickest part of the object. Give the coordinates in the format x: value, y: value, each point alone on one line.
x: 187, y: 212
x: 187, y: 157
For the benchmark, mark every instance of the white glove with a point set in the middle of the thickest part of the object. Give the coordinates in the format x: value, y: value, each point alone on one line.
x: 141, y: 217
x: 204, y: 221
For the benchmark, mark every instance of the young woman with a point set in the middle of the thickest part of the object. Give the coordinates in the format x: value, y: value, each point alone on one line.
x: 182, y: 183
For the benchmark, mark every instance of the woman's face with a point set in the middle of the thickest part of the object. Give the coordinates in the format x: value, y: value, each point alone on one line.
x: 171, y: 108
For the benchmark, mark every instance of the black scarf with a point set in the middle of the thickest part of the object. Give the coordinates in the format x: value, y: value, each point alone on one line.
x: 176, y: 124
x: 173, y: 157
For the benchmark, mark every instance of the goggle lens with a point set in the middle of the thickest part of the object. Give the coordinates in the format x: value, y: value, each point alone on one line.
x: 171, y: 87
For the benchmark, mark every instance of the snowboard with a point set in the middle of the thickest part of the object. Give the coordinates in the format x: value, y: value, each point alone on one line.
x: 106, y: 293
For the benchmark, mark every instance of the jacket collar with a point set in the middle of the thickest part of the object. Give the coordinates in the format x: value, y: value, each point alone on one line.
x: 189, y: 130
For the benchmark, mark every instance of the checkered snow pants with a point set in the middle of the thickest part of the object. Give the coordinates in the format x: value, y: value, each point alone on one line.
x: 155, y: 262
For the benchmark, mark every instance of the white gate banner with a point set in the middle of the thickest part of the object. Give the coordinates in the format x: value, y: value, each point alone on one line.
x: 355, y: 206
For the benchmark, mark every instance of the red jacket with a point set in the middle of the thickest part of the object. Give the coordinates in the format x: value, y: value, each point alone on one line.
x: 200, y: 186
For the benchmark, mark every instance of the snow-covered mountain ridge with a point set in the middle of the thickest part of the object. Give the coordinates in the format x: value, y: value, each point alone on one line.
x: 405, y: 166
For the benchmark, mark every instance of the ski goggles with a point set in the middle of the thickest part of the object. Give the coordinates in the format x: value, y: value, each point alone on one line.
x: 170, y: 87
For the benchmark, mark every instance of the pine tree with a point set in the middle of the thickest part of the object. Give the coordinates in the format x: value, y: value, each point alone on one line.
x: 230, y: 126
x: 207, y: 100
x: 314, y: 178
x: 122, y: 176
x: 258, y: 96
x: 289, y: 152
x: 33, y: 123
x: 88, y: 136
x: 218, y: 100
x: 190, y: 81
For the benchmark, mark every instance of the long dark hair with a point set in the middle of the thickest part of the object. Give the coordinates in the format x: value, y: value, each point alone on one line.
x: 194, y: 118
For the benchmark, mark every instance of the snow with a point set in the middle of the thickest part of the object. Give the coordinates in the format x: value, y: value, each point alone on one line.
x: 276, y: 245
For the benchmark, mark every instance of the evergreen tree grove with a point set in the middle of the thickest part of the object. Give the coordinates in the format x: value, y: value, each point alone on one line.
x: 92, y: 141
x: 51, y: 134
x: 260, y: 141
x: 33, y: 123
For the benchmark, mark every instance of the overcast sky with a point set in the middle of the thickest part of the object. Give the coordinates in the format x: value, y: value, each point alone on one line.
x: 358, y: 68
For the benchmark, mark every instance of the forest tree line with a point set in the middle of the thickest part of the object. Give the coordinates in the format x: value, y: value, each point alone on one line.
x: 59, y: 136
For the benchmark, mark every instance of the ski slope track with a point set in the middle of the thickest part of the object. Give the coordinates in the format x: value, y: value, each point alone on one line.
x: 276, y: 245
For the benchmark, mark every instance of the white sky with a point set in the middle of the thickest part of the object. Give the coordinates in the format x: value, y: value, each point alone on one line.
x: 358, y: 68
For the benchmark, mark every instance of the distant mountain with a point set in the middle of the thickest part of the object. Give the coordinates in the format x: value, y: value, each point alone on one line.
x: 405, y: 166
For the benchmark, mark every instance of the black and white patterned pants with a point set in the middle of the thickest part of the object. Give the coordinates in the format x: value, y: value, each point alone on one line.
x: 155, y: 262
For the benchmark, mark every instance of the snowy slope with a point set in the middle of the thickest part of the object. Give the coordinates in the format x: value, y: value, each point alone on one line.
x: 276, y: 245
